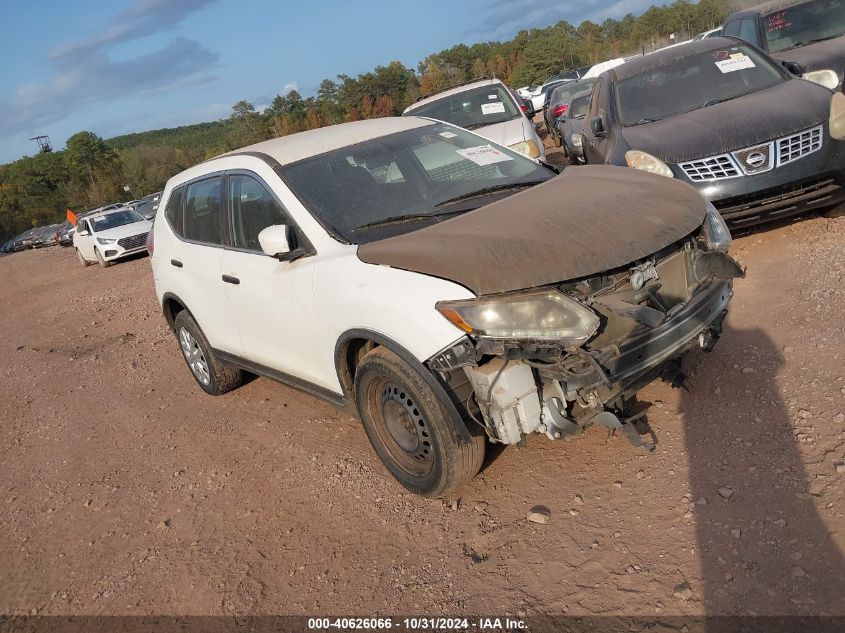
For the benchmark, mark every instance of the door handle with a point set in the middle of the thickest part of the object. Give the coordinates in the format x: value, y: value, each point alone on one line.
x: 176, y: 263
x: 231, y: 280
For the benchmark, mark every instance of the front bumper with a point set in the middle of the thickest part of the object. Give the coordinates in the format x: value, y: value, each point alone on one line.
x: 814, y: 182
x: 124, y: 247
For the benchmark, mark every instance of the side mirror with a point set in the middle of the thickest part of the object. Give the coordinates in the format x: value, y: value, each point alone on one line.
x: 793, y: 67
x: 597, y: 127
x: 279, y: 241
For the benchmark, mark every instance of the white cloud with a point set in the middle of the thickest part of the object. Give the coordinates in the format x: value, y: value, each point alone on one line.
x: 288, y: 87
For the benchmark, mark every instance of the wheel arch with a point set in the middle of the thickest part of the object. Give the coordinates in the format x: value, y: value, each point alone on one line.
x: 353, y: 344
x: 171, y: 305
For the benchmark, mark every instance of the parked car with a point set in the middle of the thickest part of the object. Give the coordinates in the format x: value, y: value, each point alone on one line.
x: 722, y: 116
x: 524, y: 104
x: 148, y: 205
x: 601, y: 67
x: 441, y: 286
x: 559, y: 104
x: 110, y: 235
x: 65, y: 234
x: 571, y: 125
x: 541, y: 99
x: 807, y: 33
x: 487, y: 107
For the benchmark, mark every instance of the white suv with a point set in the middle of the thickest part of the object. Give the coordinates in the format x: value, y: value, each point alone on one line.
x: 440, y: 286
x: 106, y: 236
x: 488, y: 108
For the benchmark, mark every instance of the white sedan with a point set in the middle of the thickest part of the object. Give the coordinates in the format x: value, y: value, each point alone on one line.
x: 109, y: 235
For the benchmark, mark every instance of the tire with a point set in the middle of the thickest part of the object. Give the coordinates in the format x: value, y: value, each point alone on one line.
x: 100, y: 259
x: 211, y: 375
x: 85, y: 263
x: 410, y: 428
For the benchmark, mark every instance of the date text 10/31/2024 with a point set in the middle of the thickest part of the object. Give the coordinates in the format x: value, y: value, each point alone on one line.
x: 417, y: 624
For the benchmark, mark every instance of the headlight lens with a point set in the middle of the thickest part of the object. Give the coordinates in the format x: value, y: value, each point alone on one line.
x: 539, y: 314
x: 715, y: 232
x: 646, y: 162
x: 105, y: 240
x: 827, y: 78
x: 837, y: 116
x: 529, y: 148
x: 577, y: 140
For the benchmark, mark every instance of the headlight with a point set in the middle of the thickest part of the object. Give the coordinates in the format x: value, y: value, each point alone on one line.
x: 529, y: 148
x: 577, y: 140
x: 715, y: 232
x: 647, y: 162
x: 538, y: 314
x: 826, y: 78
x: 104, y: 240
x: 837, y: 117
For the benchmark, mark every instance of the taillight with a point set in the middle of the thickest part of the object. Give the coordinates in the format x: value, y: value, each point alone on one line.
x: 560, y: 110
x: 522, y: 105
x: 150, y: 242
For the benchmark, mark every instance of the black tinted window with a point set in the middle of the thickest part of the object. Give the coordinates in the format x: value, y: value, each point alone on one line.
x: 173, y: 211
x: 253, y: 209
x: 748, y: 31
x: 732, y: 28
x: 202, y: 211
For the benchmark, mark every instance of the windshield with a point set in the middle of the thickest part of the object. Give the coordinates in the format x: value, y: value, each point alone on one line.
x: 113, y: 220
x: 804, y: 23
x: 694, y: 82
x: 564, y: 94
x: 470, y: 109
x: 407, y: 180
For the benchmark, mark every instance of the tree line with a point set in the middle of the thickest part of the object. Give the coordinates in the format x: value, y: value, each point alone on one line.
x: 91, y: 171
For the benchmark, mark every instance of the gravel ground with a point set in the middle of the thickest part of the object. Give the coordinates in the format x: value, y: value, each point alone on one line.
x: 125, y: 490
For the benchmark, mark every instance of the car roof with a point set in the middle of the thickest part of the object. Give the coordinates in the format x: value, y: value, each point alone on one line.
x: 100, y: 214
x: 471, y: 85
x: 295, y: 147
x: 638, y: 65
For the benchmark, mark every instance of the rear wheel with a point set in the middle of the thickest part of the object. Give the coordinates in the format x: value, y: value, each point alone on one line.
x: 85, y: 263
x: 211, y: 375
x: 100, y: 259
x: 410, y: 428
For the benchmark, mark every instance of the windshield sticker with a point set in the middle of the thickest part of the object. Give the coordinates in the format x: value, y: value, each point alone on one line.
x: 448, y: 134
x: 492, y: 108
x: 484, y: 155
x: 778, y: 21
x: 492, y: 96
x: 735, y: 62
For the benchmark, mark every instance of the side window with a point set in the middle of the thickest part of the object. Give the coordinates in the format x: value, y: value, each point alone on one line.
x: 732, y: 28
x: 173, y: 210
x: 252, y: 210
x: 595, y: 98
x: 202, y: 211
x: 748, y: 31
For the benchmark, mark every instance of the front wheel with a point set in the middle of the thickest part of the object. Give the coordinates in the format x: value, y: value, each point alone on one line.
x: 100, y: 259
x: 84, y: 262
x: 410, y: 429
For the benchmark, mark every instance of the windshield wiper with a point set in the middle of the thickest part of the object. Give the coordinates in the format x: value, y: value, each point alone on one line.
x: 707, y: 104
x: 401, y: 219
x: 487, y: 190
x: 642, y: 121
x: 816, y: 41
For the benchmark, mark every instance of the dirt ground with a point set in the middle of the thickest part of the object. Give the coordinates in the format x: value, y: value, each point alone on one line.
x: 125, y: 490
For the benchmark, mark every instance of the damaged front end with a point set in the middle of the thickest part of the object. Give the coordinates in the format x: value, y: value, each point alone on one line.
x: 559, y: 359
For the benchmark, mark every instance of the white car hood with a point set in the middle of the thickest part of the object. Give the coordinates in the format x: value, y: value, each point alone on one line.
x: 127, y: 230
x: 506, y: 133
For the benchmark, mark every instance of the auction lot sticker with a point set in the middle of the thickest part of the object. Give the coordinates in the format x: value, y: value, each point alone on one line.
x: 737, y: 61
x: 484, y: 155
x: 492, y: 108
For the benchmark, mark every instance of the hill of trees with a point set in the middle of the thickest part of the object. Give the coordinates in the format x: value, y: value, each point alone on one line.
x: 91, y: 171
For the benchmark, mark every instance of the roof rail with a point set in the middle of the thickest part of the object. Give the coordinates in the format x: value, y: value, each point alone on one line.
x: 464, y: 83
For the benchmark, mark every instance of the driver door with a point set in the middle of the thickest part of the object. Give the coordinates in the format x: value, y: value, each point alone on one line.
x: 596, y: 146
x: 85, y: 243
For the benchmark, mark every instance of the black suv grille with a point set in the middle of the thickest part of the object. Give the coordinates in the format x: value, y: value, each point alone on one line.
x: 135, y: 241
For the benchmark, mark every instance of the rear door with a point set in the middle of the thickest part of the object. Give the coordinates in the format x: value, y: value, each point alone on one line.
x: 270, y: 300
x: 196, y: 214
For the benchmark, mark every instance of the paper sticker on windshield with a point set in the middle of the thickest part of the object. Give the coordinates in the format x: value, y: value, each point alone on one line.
x: 484, y: 155
x: 448, y: 134
x: 492, y: 108
x: 735, y: 62
x: 492, y: 96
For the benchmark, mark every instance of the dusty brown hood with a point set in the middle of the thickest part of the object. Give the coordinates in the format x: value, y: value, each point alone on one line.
x: 587, y: 220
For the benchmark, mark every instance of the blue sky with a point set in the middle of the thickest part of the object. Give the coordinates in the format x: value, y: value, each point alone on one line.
x: 133, y: 65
